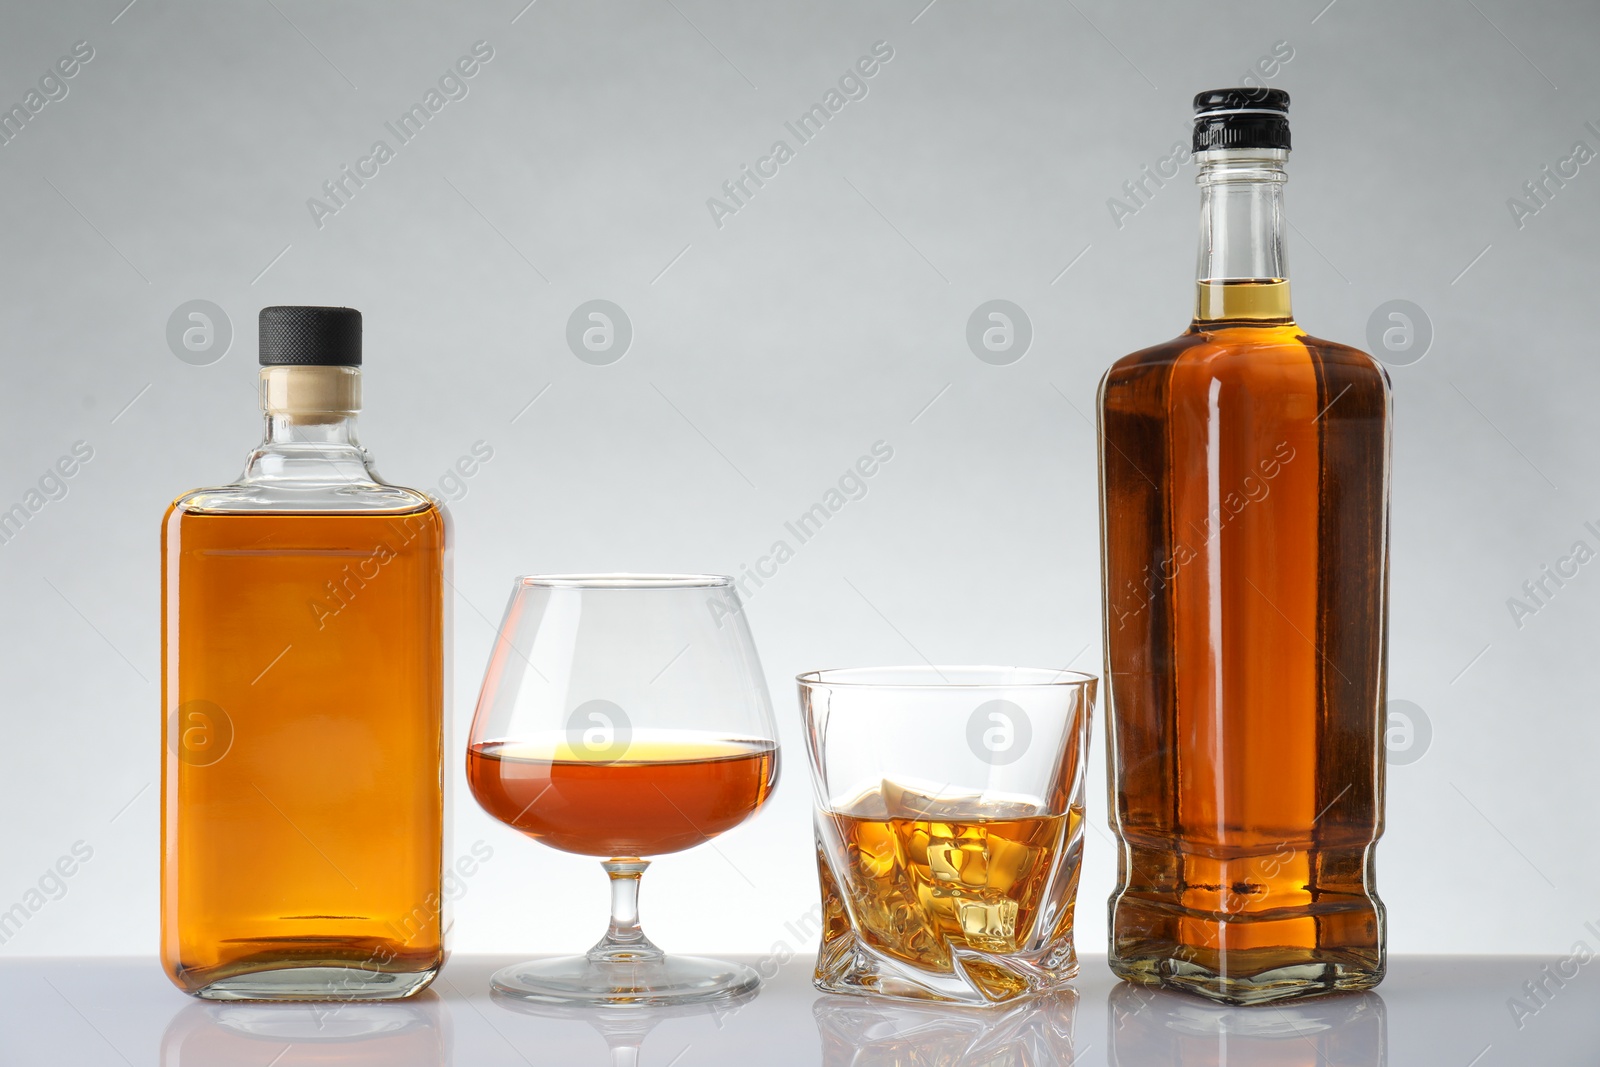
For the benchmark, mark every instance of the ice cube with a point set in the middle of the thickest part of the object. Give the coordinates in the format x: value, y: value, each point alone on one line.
x: 877, y: 848
x: 906, y: 802
x: 958, y: 855
x: 980, y: 918
x: 902, y: 801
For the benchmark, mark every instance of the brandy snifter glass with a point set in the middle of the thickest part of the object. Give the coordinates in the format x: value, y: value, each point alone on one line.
x: 623, y: 716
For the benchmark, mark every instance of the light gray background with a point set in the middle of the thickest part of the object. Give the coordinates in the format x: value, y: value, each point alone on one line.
x: 770, y: 353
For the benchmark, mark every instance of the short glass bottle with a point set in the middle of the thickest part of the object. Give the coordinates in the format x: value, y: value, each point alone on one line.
x: 303, y: 672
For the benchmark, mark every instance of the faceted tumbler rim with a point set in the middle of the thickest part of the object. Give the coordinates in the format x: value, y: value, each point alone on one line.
x: 1003, y: 677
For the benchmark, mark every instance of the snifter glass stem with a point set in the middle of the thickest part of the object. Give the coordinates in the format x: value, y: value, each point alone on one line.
x: 625, y: 941
x: 625, y: 967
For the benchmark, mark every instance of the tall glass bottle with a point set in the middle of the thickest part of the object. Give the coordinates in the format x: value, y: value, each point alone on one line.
x: 1244, y: 523
x: 303, y: 679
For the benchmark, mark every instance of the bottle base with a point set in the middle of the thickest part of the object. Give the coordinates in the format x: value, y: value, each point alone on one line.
x: 1316, y: 977
x: 319, y: 983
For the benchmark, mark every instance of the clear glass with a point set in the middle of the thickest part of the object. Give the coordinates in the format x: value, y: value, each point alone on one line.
x: 1242, y: 258
x: 304, y: 629
x: 1244, y: 475
x: 308, y: 460
x: 621, y: 717
x: 949, y: 828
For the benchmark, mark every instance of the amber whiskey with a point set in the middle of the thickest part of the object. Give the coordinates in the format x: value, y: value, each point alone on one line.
x: 1244, y: 482
x: 929, y: 879
x: 663, y: 794
x: 303, y: 683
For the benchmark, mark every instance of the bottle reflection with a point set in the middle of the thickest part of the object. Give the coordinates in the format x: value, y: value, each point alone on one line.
x: 876, y: 1032
x: 624, y: 1028
x: 409, y: 1034
x: 1154, y: 1026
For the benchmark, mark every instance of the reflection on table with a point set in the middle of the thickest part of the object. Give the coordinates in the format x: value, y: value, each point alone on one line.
x: 1149, y: 1026
x: 413, y: 1033
x: 624, y: 1028
x: 878, y: 1032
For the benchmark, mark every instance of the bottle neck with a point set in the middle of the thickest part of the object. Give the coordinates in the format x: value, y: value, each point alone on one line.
x: 317, y: 432
x: 310, y: 437
x: 1242, y: 274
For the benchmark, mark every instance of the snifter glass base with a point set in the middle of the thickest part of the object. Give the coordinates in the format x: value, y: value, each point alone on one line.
x: 625, y: 967
x: 665, y: 980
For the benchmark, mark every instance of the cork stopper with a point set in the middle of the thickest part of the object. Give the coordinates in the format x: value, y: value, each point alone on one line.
x: 311, y: 394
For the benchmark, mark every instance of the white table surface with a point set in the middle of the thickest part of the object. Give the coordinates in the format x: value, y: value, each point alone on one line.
x: 1449, y: 1011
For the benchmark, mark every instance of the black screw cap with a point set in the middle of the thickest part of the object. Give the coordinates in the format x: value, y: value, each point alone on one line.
x: 298, y: 336
x: 1241, y: 118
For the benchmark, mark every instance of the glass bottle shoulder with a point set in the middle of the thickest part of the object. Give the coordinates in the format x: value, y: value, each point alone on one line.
x: 1241, y: 353
x: 404, y: 521
x: 362, y: 498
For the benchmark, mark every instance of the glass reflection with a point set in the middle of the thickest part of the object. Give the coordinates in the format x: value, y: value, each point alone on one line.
x: 624, y: 1029
x: 1154, y: 1026
x: 409, y: 1034
x: 877, y: 1032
